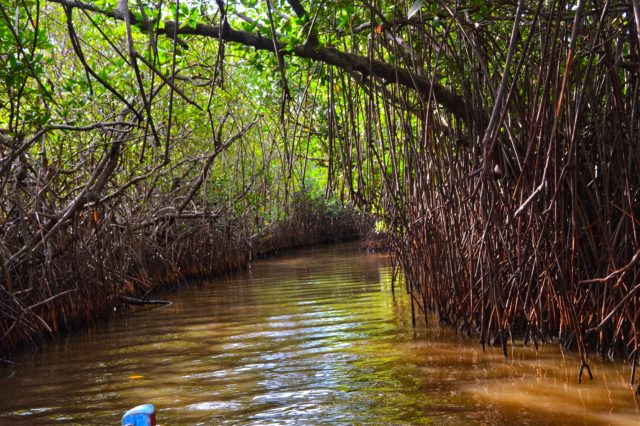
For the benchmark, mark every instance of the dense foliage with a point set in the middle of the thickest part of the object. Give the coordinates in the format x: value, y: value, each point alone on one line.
x: 130, y: 161
x: 497, y: 141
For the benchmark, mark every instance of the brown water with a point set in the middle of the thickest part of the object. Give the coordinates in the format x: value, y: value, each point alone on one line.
x: 314, y: 337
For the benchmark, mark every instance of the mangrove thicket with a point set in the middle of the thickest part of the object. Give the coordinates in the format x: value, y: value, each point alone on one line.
x: 496, y: 144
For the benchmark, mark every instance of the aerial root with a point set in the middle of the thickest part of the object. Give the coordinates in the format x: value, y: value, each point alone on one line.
x: 582, y: 367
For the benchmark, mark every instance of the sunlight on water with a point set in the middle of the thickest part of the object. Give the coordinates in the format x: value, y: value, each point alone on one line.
x: 314, y: 337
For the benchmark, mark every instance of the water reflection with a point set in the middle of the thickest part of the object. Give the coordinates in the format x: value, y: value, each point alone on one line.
x: 310, y: 338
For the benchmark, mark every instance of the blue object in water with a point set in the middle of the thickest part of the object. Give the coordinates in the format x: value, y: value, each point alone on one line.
x: 142, y: 415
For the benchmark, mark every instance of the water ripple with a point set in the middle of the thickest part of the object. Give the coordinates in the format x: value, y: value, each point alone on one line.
x: 313, y: 338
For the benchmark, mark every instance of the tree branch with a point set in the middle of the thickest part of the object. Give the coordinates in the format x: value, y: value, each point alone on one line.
x: 451, y: 101
x: 297, y: 8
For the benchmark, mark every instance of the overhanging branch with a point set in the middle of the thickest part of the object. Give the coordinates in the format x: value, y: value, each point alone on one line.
x: 450, y: 101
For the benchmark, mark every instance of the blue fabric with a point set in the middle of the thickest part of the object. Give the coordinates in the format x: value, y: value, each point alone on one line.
x: 139, y: 416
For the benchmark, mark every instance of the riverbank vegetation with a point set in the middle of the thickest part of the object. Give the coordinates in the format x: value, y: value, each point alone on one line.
x: 496, y: 142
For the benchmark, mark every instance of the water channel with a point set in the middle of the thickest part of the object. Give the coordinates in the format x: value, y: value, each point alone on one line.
x: 310, y: 337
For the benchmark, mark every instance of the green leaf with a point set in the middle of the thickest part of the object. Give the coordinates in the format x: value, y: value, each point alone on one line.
x: 248, y: 27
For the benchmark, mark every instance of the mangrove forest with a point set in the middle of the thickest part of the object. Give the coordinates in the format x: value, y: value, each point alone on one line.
x: 490, y: 147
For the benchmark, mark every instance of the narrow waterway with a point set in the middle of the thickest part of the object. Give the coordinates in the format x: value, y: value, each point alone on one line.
x: 311, y: 337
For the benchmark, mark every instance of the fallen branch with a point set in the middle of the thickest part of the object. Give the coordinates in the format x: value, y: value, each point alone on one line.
x: 142, y: 302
